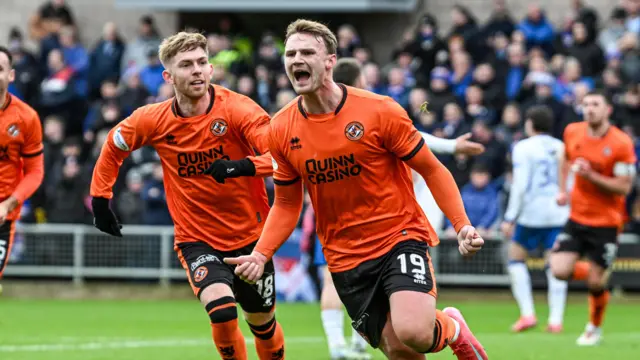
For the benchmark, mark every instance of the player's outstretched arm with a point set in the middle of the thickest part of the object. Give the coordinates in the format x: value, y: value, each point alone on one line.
x: 128, y: 136
x: 280, y: 223
x: 447, y: 196
x: 253, y: 123
x: 459, y: 145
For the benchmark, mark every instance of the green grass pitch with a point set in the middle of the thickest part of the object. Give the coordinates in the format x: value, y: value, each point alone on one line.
x: 178, y: 329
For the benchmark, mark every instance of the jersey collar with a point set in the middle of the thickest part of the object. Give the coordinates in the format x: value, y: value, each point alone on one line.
x: 6, y: 102
x: 176, y: 110
x: 340, y: 105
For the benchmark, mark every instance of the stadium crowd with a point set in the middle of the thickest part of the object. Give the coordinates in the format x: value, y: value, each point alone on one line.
x: 478, y: 77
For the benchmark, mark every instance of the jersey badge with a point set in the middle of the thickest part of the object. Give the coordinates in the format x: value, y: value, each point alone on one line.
x: 219, y: 127
x: 13, y: 130
x: 354, y: 131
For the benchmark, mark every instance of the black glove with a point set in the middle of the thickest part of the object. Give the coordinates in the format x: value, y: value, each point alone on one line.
x: 103, y: 218
x: 225, y: 169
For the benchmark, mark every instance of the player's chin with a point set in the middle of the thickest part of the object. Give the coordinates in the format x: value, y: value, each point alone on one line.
x: 303, y: 88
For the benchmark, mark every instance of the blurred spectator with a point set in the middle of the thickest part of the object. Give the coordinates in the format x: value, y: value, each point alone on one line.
x: 397, y: 88
x: 347, y: 40
x: 65, y: 187
x: 49, y: 18
x: 76, y: 57
x: 439, y: 91
x: 632, y: 7
x: 137, y: 51
x: 500, y: 21
x: 515, y: 72
x: 426, y: 45
x: 465, y: 27
x: 480, y: 199
x: 476, y: 107
x: 133, y: 94
x: 28, y: 73
x: 462, y: 73
x: 58, y: 91
x: 130, y: 202
x: 537, y: 30
x: 106, y: 59
x: 587, y: 52
x: 510, y: 129
x: 156, y: 211
x: 454, y: 122
x: 151, y: 74
x: 495, y: 150
x: 417, y: 97
x: 609, y: 36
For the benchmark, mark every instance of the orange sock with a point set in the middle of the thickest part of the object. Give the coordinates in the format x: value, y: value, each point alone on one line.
x: 226, y: 332
x: 580, y: 270
x: 443, y: 332
x: 598, y: 301
x: 269, y: 339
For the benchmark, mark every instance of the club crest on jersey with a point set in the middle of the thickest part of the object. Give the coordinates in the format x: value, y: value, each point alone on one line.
x: 354, y: 131
x: 219, y: 127
x: 200, y: 274
x: 606, y: 151
x: 13, y: 130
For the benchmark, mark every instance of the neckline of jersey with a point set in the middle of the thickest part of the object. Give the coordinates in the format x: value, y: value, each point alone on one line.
x: 597, y: 138
x: 5, y: 104
x: 326, y: 116
x: 176, y: 110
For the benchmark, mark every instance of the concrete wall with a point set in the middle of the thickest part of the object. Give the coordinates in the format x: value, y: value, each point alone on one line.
x: 385, y: 29
x: 90, y: 15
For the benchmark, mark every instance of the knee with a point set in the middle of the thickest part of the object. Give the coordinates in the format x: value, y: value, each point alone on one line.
x: 222, y: 310
x: 256, y: 319
x: 418, y: 338
x: 560, y: 271
x: 596, y: 283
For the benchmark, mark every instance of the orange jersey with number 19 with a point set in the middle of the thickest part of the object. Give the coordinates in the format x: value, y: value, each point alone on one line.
x: 351, y: 162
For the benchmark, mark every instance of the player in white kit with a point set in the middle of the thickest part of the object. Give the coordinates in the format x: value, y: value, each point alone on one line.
x: 348, y: 71
x: 533, y: 218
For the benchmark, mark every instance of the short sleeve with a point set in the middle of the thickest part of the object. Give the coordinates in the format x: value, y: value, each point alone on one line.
x: 283, y: 172
x: 399, y: 135
x: 33, y: 137
x: 131, y: 133
x: 566, y: 139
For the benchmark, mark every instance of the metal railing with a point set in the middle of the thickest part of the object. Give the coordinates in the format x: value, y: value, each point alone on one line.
x: 80, y: 252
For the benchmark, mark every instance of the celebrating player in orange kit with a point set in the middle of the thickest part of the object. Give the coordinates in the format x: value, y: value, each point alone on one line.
x: 603, y: 158
x: 21, y: 159
x: 205, y: 138
x: 349, y: 151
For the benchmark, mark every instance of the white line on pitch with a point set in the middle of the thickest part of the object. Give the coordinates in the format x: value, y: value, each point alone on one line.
x: 131, y: 344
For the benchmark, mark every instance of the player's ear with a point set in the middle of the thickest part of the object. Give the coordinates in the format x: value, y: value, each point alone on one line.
x: 12, y: 75
x: 331, y: 61
x: 166, y: 75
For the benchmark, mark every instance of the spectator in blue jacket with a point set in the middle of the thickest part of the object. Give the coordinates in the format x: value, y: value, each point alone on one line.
x: 480, y: 198
x: 77, y: 58
x: 537, y: 30
x: 106, y: 58
x: 151, y: 75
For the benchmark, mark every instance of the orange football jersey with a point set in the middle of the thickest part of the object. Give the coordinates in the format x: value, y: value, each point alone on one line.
x: 20, y: 138
x: 351, y: 162
x: 591, y: 205
x: 226, y: 216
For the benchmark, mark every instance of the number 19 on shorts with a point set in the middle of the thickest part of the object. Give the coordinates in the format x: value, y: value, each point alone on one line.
x: 418, y: 267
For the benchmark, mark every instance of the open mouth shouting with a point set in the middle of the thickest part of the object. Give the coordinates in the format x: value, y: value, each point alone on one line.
x: 302, y: 76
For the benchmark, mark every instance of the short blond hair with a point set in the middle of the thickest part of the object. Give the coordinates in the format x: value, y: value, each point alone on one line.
x: 180, y: 42
x: 319, y: 30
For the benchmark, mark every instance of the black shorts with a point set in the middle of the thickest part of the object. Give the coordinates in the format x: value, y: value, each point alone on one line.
x: 365, y: 290
x: 599, y: 244
x: 205, y: 266
x: 7, y: 231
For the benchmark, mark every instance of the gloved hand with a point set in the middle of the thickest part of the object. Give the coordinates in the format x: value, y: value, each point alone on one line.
x: 226, y: 169
x: 103, y: 218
